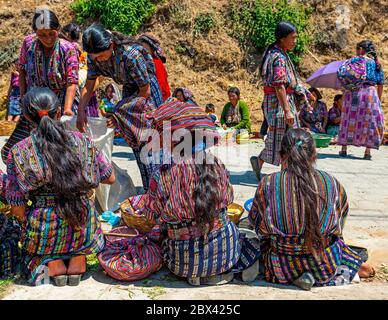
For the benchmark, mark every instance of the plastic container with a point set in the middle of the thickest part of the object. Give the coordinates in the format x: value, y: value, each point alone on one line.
x: 235, y: 212
x: 248, y: 204
x: 242, y: 138
x: 322, y: 140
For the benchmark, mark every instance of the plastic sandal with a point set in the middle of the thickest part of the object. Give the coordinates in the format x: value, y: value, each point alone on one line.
x: 251, y: 273
x: 74, y: 279
x: 343, y: 154
x: 255, y: 167
x: 367, y: 157
x: 60, y: 281
x: 305, y: 281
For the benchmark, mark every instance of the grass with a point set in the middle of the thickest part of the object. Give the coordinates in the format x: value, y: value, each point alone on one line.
x: 4, y: 286
x: 154, y: 292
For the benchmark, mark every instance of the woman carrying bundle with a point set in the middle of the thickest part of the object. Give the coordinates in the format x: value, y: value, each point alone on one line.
x: 362, y: 119
x: 55, y: 169
x: 301, y: 224
x: 46, y: 61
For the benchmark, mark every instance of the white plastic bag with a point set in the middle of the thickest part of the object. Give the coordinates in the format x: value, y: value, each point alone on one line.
x: 108, y: 196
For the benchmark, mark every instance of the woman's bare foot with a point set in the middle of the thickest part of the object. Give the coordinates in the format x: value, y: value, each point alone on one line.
x: 77, y: 265
x: 366, y: 271
x: 57, y: 268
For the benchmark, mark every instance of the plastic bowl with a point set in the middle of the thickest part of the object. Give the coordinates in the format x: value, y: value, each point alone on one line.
x: 322, y: 140
x: 235, y: 212
x: 248, y: 204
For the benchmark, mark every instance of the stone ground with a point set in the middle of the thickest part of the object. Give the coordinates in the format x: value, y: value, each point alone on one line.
x: 366, y: 183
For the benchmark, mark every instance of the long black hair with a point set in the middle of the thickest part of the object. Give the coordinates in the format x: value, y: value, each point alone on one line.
x: 298, y: 150
x: 55, y: 144
x: 45, y: 19
x: 370, y: 49
x: 72, y: 31
x: 97, y: 39
x: 234, y: 90
x: 283, y: 29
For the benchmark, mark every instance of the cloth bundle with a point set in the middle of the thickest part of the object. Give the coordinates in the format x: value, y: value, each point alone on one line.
x: 9, y: 251
x: 130, y: 259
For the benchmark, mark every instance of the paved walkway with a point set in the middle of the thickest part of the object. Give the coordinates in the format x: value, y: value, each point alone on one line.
x: 366, y: 183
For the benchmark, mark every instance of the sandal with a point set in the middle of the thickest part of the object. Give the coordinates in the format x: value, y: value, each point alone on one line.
x: 305, y: 281
x: 251, y: 273
x: 343, y: 154
x: 215, y: 280
x: 74, y: 279
x: 60, y: 281
x: 367, y: 156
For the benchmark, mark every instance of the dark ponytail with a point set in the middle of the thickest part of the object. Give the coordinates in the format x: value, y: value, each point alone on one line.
x: 370, y: 49
x: 298, y: 149
x: 283, y: 29
x: 97, y: 39
x: 56, y: 145
x: 45, y: 19
x: 72, y: 31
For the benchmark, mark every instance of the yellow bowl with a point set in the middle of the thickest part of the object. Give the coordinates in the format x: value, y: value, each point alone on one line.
x: 234, y: 212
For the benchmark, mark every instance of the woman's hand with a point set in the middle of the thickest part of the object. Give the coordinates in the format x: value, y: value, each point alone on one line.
x: 69, y: 113
x: 289, y: 117
x: 111, y: 122
x: 82, y: 121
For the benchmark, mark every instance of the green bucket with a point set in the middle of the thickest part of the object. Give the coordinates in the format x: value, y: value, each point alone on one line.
x: 322, y: 140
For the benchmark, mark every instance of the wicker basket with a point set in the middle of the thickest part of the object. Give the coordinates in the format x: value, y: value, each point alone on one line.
x: 7, y: 127
x: 133, y: 220
x: 235, y: 212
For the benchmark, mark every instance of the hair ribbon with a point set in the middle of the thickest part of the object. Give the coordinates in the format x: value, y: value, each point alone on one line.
x: 42, y: 113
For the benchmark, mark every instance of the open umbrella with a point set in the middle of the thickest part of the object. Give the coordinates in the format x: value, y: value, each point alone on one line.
x: 326, y: 77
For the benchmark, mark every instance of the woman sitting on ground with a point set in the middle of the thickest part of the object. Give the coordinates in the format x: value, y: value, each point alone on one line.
x: 301, y: 224
x: 335, y: 116
x: 183, y: 95
x: 201, y: 244
x: 316, y: 119
x: 236, y: 112
x: 57, y: 170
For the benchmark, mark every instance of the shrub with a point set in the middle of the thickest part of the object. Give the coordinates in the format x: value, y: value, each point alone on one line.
x: 203, y: 23
x: 256, y: 20
x: 126, y: 16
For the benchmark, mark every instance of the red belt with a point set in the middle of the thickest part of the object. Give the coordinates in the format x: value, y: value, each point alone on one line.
x: 271, y: 90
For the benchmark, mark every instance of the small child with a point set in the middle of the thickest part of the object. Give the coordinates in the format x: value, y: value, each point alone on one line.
x: 335, y: 116
x: 108, y: 103
x: 210, y: 109
x: 14, y: 110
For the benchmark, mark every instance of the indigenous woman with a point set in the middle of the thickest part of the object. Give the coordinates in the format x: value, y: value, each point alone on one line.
x: 301, y: 224
x: 281, y: 84
x: 72, y: 32
x: 9, y: 236
x: 55, y: 169
x: 130, y: 119
x: 113, y: 55
x: 46, y: 61
x: 335, y: 116
x: 153, y: 47
x: 14, y: 110
x: 236, y: 112
x: 201, y: 243
x: 183, y: 95
x: 315, y: 120
x: 362, y: 120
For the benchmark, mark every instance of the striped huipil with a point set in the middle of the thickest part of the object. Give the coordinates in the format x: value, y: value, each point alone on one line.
x: 46, y: 235
x: 278, y: 216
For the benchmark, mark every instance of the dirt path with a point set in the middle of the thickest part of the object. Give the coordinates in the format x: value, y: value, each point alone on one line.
x: 367, y: 225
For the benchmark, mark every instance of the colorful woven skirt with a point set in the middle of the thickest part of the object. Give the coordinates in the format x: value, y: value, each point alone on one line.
x: 213, y: 254
x: 130, y: 259
x: 362, y: 119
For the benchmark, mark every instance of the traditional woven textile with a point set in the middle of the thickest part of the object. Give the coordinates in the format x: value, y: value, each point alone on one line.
x: 279, y: 219
x: 130, y: 259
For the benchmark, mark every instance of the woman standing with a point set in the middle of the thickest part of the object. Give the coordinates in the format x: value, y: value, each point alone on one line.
x: 299, y: 213
x: 362, y: 120
x: 113, y: 55
x: 236, y: 112
x: 72, y: 33
x: 153, y: 47
x: 55, y: 169
x: 46, y: 61
x: 281, y: 84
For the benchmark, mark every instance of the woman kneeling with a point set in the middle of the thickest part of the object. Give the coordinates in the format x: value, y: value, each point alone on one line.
x: 57, y: 171
x: 300, y: 214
